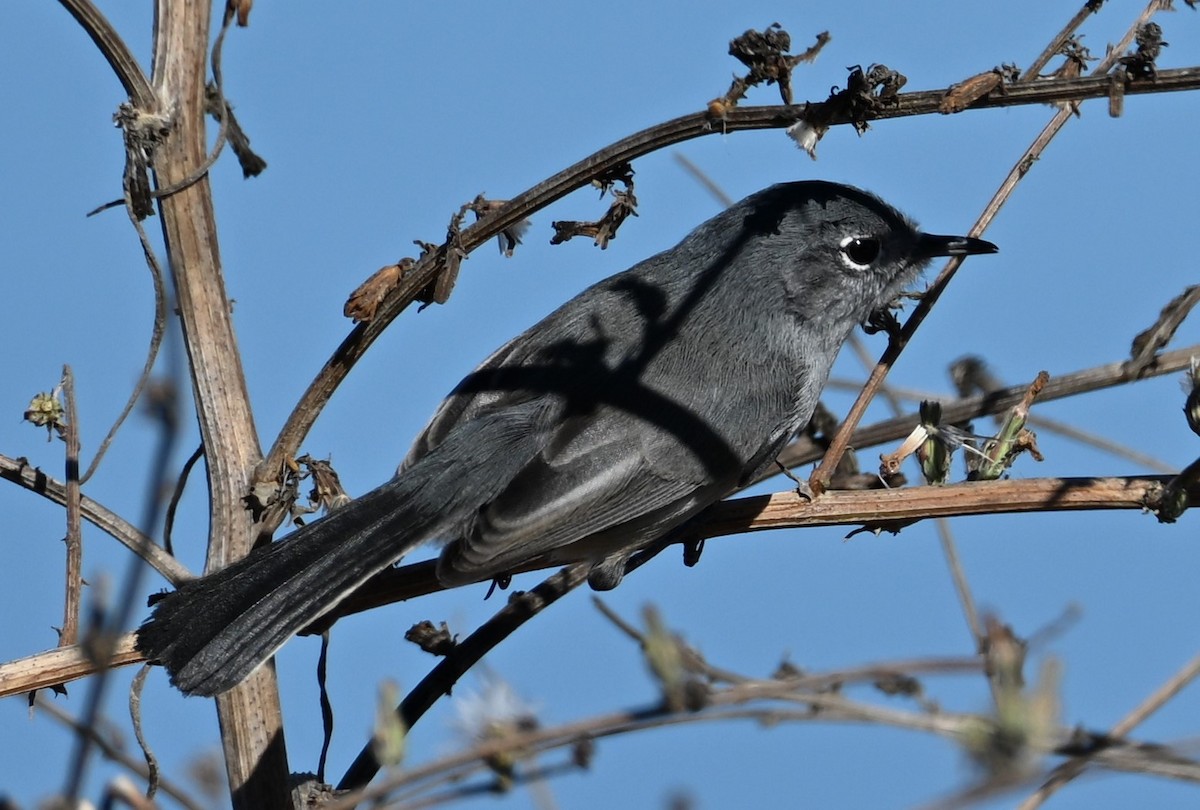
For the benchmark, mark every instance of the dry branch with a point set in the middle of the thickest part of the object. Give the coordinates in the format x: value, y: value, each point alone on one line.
x: 804, y: 450
x: 19, y: 472
x: 687, y: 127
x: 250, y: 716
x: 58, y: 666
x: 74, y: 538
x: 836, y: 508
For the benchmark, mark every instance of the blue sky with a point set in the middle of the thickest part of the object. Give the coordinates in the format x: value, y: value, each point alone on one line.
x: 379, y: 120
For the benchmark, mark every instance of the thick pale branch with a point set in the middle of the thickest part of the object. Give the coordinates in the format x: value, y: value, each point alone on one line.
x: 250, y: 716
x: 839, y: 508
x: 60, y: 665
x: 836, y: 508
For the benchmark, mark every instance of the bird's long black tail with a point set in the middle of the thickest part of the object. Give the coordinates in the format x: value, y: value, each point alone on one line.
x: 212, y: 632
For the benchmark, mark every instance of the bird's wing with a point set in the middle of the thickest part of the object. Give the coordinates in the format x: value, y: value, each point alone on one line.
x: 607, y: 472
x: 632, y: 438
x: 566, y: 356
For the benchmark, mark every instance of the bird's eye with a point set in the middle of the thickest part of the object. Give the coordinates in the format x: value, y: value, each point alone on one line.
x: 860, y: 251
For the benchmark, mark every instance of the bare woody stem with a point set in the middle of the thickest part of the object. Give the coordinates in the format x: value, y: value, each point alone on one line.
x: 74, y: 536
x: 250, y: 716
x: 888, y: 509
x: 114, y: 49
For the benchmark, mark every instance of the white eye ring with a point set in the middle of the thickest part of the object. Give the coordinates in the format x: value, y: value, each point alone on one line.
x: 859, y: 252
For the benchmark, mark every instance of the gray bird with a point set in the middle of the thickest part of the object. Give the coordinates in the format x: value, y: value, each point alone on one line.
x: 636, y: 404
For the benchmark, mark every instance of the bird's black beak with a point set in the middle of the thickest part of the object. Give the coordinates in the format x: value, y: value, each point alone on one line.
x: 930, y: 245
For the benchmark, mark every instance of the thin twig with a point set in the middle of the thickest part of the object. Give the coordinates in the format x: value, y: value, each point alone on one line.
x: 153, y: 773
x: 104, y: 645
x: 210, y: 159
x: 1157, y: 698
x: 687, y: 127
x: 74, y: 576
x: 177, y: 495
x: 945, y: 535
x: 1060, y: 386
x: 19, y: 472
x: 819, y: 704
x: 456, y: 793
x: 519, y: 610
x: 833, y: 707
x: 704, y: 180
x: 961, y: 586
x: 156, y: 338
x: 1046, y: 423
x: 222, y: 123
x: 1031, y: 72
x: 617, y: 620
